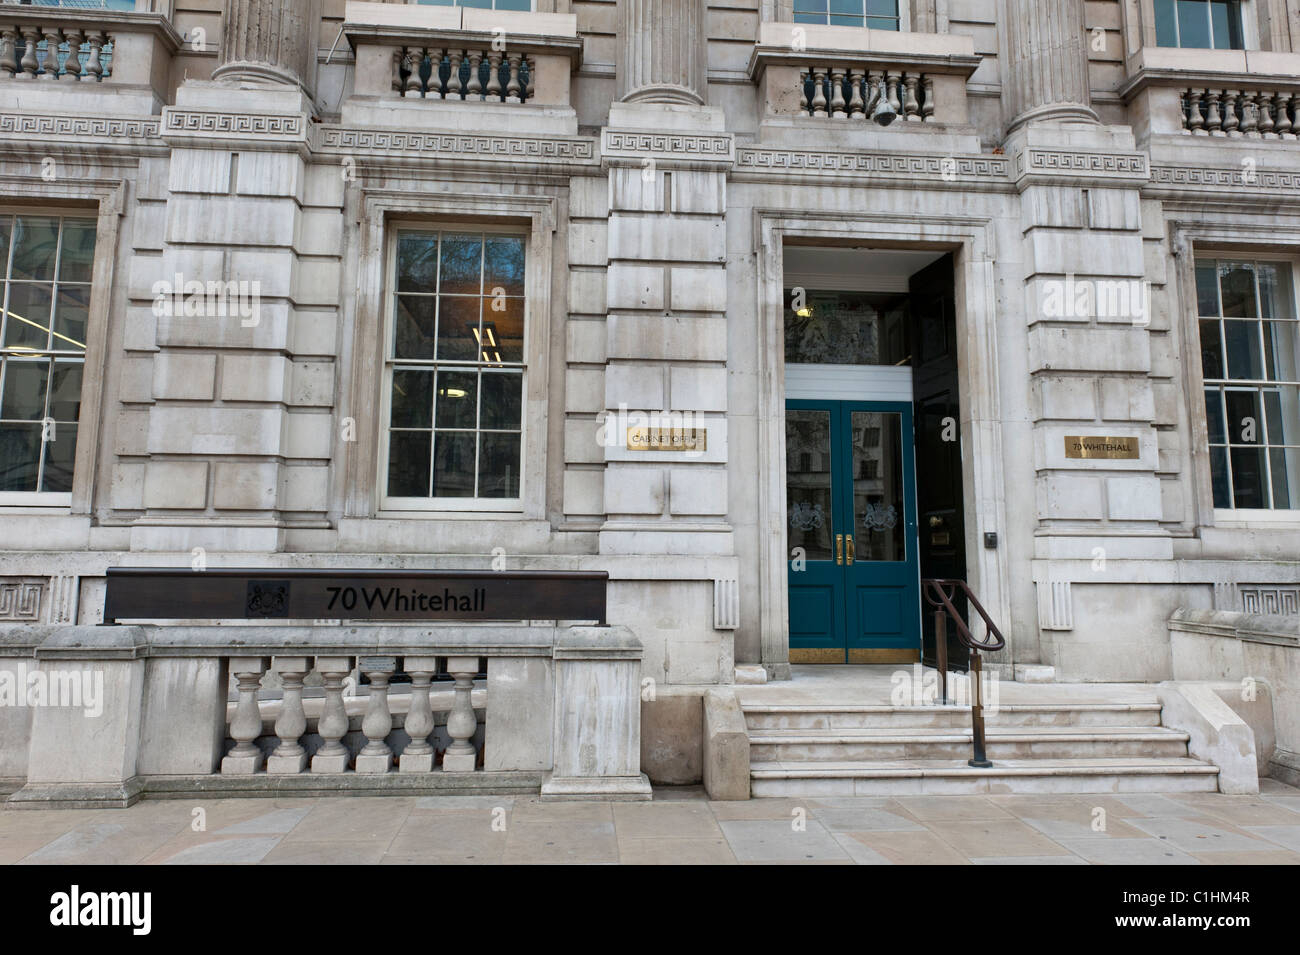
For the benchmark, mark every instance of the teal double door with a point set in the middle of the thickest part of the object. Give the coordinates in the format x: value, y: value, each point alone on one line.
x: 854, y: 570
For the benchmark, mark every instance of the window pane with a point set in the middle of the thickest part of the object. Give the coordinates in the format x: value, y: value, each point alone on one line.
x: 843, y: 20
x: 412, y: 398
x: 808, y: 483
x: 503, y: 330
x: 1282, y: 406
x: 503, y: 266
x: 498, y: 465
x: 879, y: 530
x: 1248, y: 487
x: 20, y: 454
x: 6, y: 226
x: 1245, y: 418
x: 24, y: 390
x: 1166, y: 23
x: 1238, y: 282
x: 71, y: 314
x: 413, y: 336
x: 1282, y: 350
x: 457, y: 399
x: 36, y: 240
x: 65, y: 391
x: 60, y: 452
x: 458, y: 331
x: 1219, y: 477
x: 1211, y: 350
x: 78, y: 255
x: 1214, y: 416
x: 462, y: 264
x: 28, y: 323
x: 810, y: 6
x: 882, y: 8
x: 1207, y: 289
x: 1286, y: 477
x: 1245, y: 358
x: 408, y: 463
x: 1193, y: 24
x: 417, y: 263
x: 1226, y: 17
x: 1275, y: 291
x: 851, y: 7
x: 453, y: 464
x: 514, y: 4
x: 882, y: 23
x: 502, y: 394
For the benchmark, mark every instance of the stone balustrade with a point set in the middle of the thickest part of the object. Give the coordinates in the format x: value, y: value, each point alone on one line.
x: 53, y: 52
x: 455, y: 73
x: 849, y: 91
x: 559, y: 714
x: 1235, y: 113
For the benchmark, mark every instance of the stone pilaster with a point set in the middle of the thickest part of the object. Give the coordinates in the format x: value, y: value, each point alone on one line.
x: 1046, y: 63
x: 663, y: 46
x: 268, y: 41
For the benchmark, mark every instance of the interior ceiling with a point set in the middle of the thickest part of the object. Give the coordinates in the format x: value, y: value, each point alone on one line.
x: 859, y: 270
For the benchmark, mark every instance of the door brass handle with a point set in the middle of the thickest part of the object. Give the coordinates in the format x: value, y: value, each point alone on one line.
x: 852, y: 548
x: 839, y: 548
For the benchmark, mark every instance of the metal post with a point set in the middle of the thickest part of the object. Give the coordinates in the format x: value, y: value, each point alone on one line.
x: 981, y: 761
x: 941, y: 652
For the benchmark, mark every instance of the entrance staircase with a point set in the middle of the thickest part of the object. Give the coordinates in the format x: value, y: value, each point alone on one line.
x: 1058, y: 746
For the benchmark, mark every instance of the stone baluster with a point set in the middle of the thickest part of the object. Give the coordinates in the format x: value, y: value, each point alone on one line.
x: 819, y: 93
x: 30, y: 65
x: 927, y: 109
x: 1231, y: 114
x: 8, y: 51
x: 474, y: 88
x: 1250, y: 114
x: 837, y: 107
x: 1195, y: 121
x: 435, y: 89
x: 94, y: 61
x: 1267, y: 127
x: 1285, y: 126
x: 461, y: 722
x: 512, y: 81
x: 399, y: 58
x: 332, y: 756
x: 856, y: 105
x: 417, y: 757
x: 804, y: 108
x: 893, y: 82
x: 289, y: 757
x: 1213, y: 119
x: 530, y: 89
x: 911, y: 106
x: 873, y: 92
x: 454, y: 57
x: 494, y: 76
x: 376, y: 756
x: 50, y: 65
x: 245, y: 758
x: 72, y: 65
x: 412, y: 57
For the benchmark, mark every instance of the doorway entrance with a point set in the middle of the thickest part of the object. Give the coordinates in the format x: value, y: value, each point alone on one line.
x: 851, y: 494
x: 871, y: 393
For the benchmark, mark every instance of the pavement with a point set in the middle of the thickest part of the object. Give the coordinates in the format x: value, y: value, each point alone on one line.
x: 681, y: 826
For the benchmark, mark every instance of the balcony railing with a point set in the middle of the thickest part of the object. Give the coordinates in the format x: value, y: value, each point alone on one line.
x: 30, y: 51
x: 1254, y: 114
x: 850, y: 92
x: 479, y: 75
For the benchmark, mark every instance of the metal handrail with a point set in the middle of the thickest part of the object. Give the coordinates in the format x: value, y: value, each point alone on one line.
x: 945, y: 589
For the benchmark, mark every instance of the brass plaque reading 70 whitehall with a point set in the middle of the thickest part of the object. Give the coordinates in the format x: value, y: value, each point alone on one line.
x: 1113, y: 449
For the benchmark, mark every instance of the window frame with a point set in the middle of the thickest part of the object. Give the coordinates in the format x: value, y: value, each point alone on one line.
x: 102, y: 206
x: 904, y: 16
x: 1234, y: 516
x: 387, y: 502
x: 1146, y: 30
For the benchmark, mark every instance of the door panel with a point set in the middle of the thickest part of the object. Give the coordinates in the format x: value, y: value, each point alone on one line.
x: 851, y: 528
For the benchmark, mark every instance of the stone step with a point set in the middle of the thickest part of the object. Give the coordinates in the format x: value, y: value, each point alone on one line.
x: 953, y: 776
x: 1045, y: 742
x: 830, y: 717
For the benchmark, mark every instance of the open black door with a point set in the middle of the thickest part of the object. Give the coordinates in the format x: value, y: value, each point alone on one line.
x: 938, y: 441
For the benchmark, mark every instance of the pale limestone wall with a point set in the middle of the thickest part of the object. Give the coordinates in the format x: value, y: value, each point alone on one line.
x: 218, y: 436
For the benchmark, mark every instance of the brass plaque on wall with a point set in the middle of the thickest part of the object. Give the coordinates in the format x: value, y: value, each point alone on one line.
x: 667, y: 439
x: 1104, y: 448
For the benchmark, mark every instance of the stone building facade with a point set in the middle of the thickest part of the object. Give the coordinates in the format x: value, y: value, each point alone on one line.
x: 315, y: 283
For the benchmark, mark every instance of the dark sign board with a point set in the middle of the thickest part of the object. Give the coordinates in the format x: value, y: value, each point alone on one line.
x: 163, y: 593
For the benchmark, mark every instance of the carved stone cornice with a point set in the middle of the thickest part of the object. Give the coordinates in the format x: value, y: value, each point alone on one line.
x: 1041, y: 164
x: 696, y: 150
x: 84, y: 129
x: 1231, y: 184
x: 767, y: 162
x: 378, y: 144
x: 254, y: 131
